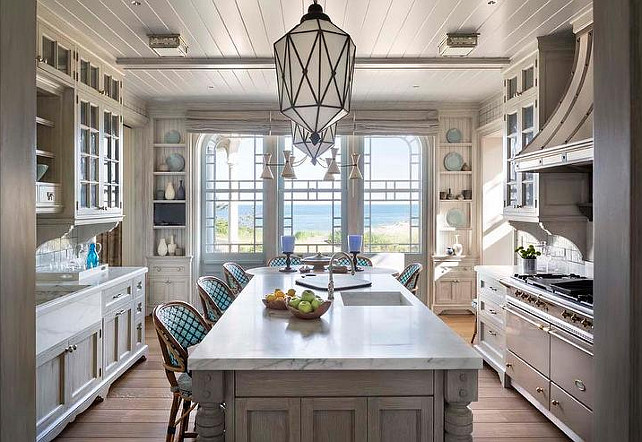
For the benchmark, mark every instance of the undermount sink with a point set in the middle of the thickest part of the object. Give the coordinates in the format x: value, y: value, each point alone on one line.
x: 374, y: 299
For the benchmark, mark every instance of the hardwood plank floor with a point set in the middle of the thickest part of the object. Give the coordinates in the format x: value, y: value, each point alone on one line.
x: 137, y: 407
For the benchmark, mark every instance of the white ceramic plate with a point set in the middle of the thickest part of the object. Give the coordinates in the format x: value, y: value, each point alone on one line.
x: 453, y: 161
x: 456, y: 218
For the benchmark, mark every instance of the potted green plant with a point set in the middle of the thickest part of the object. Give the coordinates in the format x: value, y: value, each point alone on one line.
x: 529, y: 259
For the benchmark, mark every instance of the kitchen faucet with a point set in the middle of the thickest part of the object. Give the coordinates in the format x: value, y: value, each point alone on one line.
x: 330, y: 275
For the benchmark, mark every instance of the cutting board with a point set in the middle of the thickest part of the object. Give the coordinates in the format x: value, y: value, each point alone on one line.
x: 341, y: 282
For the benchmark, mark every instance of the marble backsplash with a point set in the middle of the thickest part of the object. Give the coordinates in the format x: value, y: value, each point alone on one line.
x: 59, y: 253
x: 563, y: 255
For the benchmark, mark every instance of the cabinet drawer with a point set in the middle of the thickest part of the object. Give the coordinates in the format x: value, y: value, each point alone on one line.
x: 491, y: 288
x: 138, y: 309
x: 527, y: 337
x: 116, y: 297
x: 167, y: 270
x: 572, y: 366
x: 47, y: 194
x: 453, y: 270
x: 492, y: 311
x: 528, y: 378
x: 572, y: 413
x: 492, y: 340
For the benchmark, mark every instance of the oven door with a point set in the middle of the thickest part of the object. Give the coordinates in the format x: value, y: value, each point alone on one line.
x: 572, y: 365
x: 527, y: 336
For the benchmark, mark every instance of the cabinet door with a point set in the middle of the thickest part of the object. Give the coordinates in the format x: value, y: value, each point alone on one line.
x: 443, y: 292
x: 50, y: 385
x: 88, y: 199
x: 268, y: 419
x: 463, y: 291
x: 117, y: 338
x: 334, y: 420
x: 90, y: 71
x: 138, y: 335
x: 394, y: 419
x: 84, y: 363
x: 111, y: 84
x: 157, y: 292
x: 55, y: 53
x: 111, y: 157
x: 179, y: 289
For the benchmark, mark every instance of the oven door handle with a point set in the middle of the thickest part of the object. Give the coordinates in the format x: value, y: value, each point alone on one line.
x: 569, y: 342
x: 530, y: 321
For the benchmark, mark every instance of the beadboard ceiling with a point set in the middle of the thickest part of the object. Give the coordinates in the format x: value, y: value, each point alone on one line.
x: 408, y: 29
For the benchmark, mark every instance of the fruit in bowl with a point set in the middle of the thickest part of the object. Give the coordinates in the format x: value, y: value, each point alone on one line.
x: 308, y: 305
x: 276, y: 300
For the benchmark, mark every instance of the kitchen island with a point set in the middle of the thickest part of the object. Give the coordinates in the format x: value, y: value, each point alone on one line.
x: 361, y: 372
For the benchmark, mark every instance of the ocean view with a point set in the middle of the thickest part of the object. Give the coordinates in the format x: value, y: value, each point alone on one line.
x: 316, y: 217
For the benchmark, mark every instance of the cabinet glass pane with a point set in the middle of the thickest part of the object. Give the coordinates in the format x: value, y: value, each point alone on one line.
x: 115, y: 89
x: 512, y: 173
x: 84, y: 72
x: 511, y: 123
x: 116, y: 149
x: 512, y: 147
x: 528, y: 198
x: 84, y: 140
x: 84, y: 113
x: 93, y: 79
x: 93, y: 169
x: 527, y: 117
x: 107, y: 123
x: 94, y: 143
x: 107, y: 84
x: 512, y: 194
x: 527, y: 137
x: 63, y: 59
x: 84, y: 168
x: 528, y: 78
x: 49, y: 51
x: 94, y: 195
x: 84, y: 195
x: 94, y: 117
x: 114, y: 125
x: 511, y: 87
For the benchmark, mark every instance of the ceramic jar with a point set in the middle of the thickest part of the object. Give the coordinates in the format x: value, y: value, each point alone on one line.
x: 162, y: 247
x: 171, y: 247
x: 457, y: 247
x: 170, y: 193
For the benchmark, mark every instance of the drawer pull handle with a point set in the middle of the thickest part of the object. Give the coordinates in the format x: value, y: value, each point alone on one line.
x: 139, y: 286
x: 539, y: 389
x: 509, y: 365
x: 554, y: 402
x: 120, y: 312
x: 120, y: 295
x: 580, y: 385
x: 493, y: 289
x: 50, y: 196
x: 139, y: 307
x: 492, y: 312
x: 139, y: 326
x: 492, y: 333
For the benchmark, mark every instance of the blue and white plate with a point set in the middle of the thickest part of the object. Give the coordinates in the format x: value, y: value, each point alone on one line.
x: 456, y: 218
x: 453, y: 162
x: 172, y: 137
x: 453, y: 135
x: 175, y: 162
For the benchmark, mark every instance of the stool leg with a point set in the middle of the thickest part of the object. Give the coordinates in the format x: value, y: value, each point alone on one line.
x: 171, y: 427
x: 185, y: 421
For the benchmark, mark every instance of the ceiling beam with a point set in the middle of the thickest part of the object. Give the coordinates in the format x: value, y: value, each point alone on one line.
x: 362, y: 63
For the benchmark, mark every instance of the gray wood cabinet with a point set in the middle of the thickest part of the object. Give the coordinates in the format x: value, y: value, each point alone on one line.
x: 84, y: 363
x: 268, y: 419
x: 393, y: 419
x: 50, y: 385
x: 170, y: 279
x: 118, y: 338
x: 334, y: 419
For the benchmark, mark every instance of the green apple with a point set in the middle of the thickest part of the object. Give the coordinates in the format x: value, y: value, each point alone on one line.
x: 294, y: 302
x: 305, y: 307
x: 316, y: 302
x: 307, y: 295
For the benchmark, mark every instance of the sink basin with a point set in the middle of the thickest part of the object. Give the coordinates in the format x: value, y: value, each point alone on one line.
x: 363, y: 298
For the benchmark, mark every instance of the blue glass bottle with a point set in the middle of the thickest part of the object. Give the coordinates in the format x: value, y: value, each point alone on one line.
x: 92, y: 256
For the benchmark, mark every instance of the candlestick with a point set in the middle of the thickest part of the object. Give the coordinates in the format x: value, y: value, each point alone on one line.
x: 354, y: 243
x: 287, y: 246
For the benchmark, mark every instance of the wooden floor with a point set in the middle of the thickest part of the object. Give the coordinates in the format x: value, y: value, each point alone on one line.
x: 137, y: 406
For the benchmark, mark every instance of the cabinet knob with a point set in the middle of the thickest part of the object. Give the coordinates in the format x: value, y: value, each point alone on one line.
x: 492, y: 333
x: 50, y: 196
x: 539, y: 389
x: 580, y: 385
x: 120, y: 312
x: 139, y: 286
x: 74, y: 347
x: 139, y: 326
x: 509, y: 365
x: 554, y: 402
x: 492, y: 312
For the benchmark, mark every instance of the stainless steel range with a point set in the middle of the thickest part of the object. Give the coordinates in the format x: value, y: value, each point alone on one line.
x: 549, y: 338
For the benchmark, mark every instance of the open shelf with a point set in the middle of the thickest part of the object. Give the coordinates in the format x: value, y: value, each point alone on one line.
x: 455, y: 201
x: 445, y: 145
x: 169, y: 173
x: 453, y: 229
x: 45, y: 153
x: 168, y: 227
x: 169, y: 201
x: 169, y: 145
x: 44, y: 122
x: 456, y: 172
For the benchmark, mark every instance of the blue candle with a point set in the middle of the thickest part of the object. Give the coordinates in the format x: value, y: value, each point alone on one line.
x: 354, y: 243
x: 287, y: 244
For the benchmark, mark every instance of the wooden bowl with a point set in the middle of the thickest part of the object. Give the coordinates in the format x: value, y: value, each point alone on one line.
x: 277, y: 304
x: 312, y: 315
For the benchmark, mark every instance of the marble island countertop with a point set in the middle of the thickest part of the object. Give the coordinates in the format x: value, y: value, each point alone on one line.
x: 405, y: 337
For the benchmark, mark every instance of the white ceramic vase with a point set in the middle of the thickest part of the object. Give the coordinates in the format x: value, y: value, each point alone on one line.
x: 162, y: 247
x: 171, y: 247
x: 170, y: 193
x: 457, y: 247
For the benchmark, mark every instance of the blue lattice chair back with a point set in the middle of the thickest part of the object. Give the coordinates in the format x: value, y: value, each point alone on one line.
x: 279, y: 261
x: 216, y: 297
x: 178, y: 326
x: 235, y: 276
x: 362, y: 261
x: 409, y: 277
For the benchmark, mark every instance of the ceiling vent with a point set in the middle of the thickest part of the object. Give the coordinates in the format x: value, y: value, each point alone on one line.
x: 458, y: 45
x: 168, y: 45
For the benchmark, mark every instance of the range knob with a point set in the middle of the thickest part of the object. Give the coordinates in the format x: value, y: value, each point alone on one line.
x: 575, y: 318
x: 566, y: 314
x: 541, y: 304
x: 586, y: 323
x: 532, y: 299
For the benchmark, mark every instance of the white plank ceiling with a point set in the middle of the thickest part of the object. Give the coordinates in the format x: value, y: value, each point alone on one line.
x: 247, y: 28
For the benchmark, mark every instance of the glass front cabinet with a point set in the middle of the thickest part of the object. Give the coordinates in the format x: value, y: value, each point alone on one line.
x: 55, y: 54
x: 99, y: 155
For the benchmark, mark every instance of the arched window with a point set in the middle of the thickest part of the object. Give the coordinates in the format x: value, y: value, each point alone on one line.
x: 392, y: 194
x: 232, y: 195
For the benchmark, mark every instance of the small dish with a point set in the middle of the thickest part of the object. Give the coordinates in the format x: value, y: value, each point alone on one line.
x: 456, y: 218
x: 175, y: 162
x: 453, y: 135
x: 453, y: 162
x: 172, y: 137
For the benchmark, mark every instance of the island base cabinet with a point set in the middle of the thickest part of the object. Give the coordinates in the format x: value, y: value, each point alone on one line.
x: 268, y: 419
x: 334, y: 420
x: 394, y: 419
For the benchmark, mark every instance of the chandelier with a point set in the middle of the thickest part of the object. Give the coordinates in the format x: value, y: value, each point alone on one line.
x: 315, y: 66
x: 333, y: 168
x: 301, y: 140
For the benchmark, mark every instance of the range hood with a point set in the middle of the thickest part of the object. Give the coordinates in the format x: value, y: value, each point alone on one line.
x: 565, y: 142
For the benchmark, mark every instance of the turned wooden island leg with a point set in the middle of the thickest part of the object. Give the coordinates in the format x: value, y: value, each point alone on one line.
x: 460, y: 389
x: 208, y: 390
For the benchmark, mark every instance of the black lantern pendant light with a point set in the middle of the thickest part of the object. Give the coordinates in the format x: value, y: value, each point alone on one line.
x: 315, y: 66
x: 301, y: 139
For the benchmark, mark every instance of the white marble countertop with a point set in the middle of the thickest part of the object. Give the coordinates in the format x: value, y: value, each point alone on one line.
x: 366, y: 270
x: 45, y: 291
x: 497, y: 271
x: 250, y: 337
